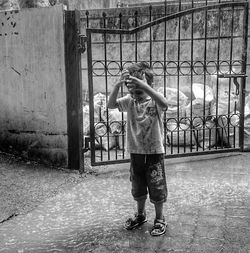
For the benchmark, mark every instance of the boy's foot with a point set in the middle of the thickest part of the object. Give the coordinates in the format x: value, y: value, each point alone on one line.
x: 135, y: 222
x: 159, y: 227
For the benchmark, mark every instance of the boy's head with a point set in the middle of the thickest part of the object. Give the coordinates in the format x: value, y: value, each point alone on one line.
x: 140, y: 69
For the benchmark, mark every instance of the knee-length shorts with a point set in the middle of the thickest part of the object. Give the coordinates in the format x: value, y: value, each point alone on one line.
x: 147, y: 175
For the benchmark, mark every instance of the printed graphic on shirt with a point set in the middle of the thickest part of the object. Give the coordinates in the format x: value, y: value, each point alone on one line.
x: 151, y: 111
x: 148, y: 117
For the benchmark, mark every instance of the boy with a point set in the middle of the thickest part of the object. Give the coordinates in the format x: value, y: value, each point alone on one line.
x: 144, y: 107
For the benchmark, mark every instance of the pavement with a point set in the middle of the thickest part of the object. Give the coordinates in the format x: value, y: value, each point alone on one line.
x: 54, y: 210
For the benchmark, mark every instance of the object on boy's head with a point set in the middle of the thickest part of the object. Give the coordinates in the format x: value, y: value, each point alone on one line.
x: 140, y: 69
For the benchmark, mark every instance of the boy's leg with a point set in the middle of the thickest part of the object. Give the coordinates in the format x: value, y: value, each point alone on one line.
x: 141, y: 206
x: 159, y: 211
x: 139, y: 190
x: 138, y: 181
x: 157, y: 191
x: 156, y: 181
x: 160, y: 224
x: 140, y: 216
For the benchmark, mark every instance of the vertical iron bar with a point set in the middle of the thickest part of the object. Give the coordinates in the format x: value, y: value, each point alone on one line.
x: 164, y: 73
x: 218, y: 70
x: 106, y: 77
x: 136, y: 37
x: 243, y: 79
x: 230, y: 80
x: 91, y: 97
x: 234, y: 129
x: 116, y: 149
x: 100, y: 114
x: 178, y: 80
x: 209, y: 138
x: 150, y: 36
x: 197, y: 139
x: 171, y: 142
x: 204, y: 79
x: 87, y: 15
x: 191, y: 79
x: 101, y: 150
x: 184, y: 143
x: 121, y: 68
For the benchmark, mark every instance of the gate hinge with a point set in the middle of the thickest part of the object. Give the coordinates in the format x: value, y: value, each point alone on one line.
x: 82, y: 39
x: 86, y: 144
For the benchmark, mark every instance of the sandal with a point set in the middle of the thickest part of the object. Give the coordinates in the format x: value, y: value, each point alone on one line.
x: 135, y: 222
x: 159, y: 227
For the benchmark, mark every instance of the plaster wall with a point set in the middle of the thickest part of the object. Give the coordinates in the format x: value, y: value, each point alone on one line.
x: 90, y: 4
x: 32, y: 86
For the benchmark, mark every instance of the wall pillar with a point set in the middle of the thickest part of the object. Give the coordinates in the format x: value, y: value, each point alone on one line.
x: 73, y: 90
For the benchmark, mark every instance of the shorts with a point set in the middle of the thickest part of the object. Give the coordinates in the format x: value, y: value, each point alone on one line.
x: 147, y: 175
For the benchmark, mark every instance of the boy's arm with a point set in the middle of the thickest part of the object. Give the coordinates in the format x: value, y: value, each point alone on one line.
x: 156, y: 96
x: 112, y: 103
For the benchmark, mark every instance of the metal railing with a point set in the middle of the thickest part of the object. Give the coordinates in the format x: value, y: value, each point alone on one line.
x: 201, y: 49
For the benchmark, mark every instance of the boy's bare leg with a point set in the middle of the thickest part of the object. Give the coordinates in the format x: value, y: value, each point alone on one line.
x: 141, y: 206
x: 139, y: 218
x: 160, y: 225
x: 159, y: 211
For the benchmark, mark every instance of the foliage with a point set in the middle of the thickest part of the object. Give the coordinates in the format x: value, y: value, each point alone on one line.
x: 19, y: 4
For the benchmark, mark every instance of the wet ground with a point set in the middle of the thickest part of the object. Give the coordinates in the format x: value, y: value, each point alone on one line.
x: 208, y: 210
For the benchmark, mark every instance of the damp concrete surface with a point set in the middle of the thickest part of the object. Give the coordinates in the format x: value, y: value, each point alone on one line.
x: 46, y: 209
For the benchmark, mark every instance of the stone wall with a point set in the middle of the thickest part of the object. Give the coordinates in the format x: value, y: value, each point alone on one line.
x: 32, y: 85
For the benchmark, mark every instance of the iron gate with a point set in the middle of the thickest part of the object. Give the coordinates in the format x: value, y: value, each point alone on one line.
x: 198, y: 56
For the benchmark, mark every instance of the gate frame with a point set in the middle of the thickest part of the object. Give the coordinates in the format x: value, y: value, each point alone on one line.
x: 73, y: 90
x: 243, y: 76
x: 243, y: 80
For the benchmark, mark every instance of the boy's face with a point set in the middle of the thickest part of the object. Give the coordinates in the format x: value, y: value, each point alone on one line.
x: 136, y: 94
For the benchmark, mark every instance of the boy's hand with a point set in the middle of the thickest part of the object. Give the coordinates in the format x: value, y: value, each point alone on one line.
x: 136, y: 83
x: 124, y: 76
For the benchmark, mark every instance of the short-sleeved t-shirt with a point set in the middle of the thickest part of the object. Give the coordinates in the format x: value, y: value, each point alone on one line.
x: 144, y: 125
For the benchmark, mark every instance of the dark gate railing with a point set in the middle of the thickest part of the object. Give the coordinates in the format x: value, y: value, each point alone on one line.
x: 199, y: 58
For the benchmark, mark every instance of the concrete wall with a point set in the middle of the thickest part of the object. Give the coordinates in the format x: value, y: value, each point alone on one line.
x: 103, y: 4
x: 89, y: 4
x: 32, y: 85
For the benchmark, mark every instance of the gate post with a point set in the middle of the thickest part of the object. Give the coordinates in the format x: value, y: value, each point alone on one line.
x: 243, y: 80
x: 73, y: 90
